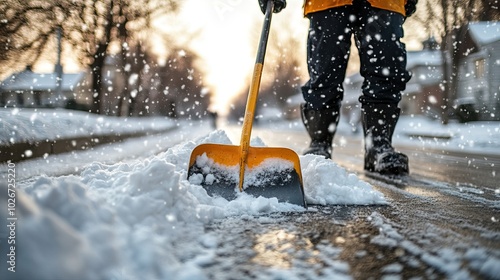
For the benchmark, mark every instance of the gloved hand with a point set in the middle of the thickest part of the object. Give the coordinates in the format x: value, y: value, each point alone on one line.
x: 410, y: 7
x: 278, y: 5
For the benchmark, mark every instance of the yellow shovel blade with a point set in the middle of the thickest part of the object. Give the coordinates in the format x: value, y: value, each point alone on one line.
x: 269, y: 172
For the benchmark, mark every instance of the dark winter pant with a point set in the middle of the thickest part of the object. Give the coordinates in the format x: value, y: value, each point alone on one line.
x: 383, y: 57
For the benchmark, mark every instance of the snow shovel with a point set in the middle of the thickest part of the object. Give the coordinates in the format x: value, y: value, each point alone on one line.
x: 223, y: 170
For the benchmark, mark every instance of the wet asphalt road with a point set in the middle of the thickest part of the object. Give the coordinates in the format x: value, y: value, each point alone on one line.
x: 441, y: 223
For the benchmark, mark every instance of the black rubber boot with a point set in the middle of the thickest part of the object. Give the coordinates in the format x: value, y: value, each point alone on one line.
x: 321, y: 126
x: 379, y: 122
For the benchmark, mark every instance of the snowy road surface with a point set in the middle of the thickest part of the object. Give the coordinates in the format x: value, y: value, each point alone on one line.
x: 442, y: 222
x: 127, y: 211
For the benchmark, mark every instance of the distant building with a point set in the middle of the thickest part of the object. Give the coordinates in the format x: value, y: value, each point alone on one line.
x: 476, y: 91
x: 423, y: 94
x: 478, y: 81
x: 30, y: 89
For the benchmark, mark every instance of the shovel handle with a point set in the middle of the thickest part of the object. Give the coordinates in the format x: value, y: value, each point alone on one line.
x: 254, y: 90
x: 257, y: 75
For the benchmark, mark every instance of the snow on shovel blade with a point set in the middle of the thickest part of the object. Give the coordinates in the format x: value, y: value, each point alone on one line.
x: 269, y: 172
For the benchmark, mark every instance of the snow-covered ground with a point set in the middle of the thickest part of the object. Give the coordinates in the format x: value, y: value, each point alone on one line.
x: 117, y: 217
x: 421, y: 132
x: 31, y: 125
x: 474, y: 137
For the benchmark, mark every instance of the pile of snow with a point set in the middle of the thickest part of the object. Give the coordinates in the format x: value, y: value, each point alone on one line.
x: 125, y: 221
x: 31, y: 125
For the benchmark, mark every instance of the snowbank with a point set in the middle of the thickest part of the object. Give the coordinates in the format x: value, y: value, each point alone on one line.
x: 31, y: 125
x: 125, y: 221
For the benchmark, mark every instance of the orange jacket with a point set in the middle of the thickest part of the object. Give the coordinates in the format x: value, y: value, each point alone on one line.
x: 311, y: 6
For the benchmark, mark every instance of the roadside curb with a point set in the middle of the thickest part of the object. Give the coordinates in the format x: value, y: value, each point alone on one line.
x: 28, y: 150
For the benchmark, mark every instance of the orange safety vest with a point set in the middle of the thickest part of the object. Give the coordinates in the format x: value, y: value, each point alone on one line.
x: 311, y: 6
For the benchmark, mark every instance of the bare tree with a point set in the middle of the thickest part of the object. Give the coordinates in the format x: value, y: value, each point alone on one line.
x: 281, y: 75
x: 89, y: 28
x: 27, y: 28
x: 102, y: 22
x: 185, y: 95
x: 284, y: 74
x: 137, y: 59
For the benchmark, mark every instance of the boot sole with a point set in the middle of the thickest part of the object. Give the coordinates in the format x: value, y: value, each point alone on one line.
x: 397, y: 164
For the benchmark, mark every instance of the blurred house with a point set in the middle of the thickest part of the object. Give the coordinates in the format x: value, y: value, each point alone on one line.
x: 477, y: 94
x: 422, y: 93
x: 30, y: 89
x: 476, y: 91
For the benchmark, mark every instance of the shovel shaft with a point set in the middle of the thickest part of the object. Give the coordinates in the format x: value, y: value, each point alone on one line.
x: 275, y: 171
x: 254, y: 91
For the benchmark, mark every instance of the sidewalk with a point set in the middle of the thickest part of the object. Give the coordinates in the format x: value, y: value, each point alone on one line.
x: 30, y: 133
x: 23, y: 151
